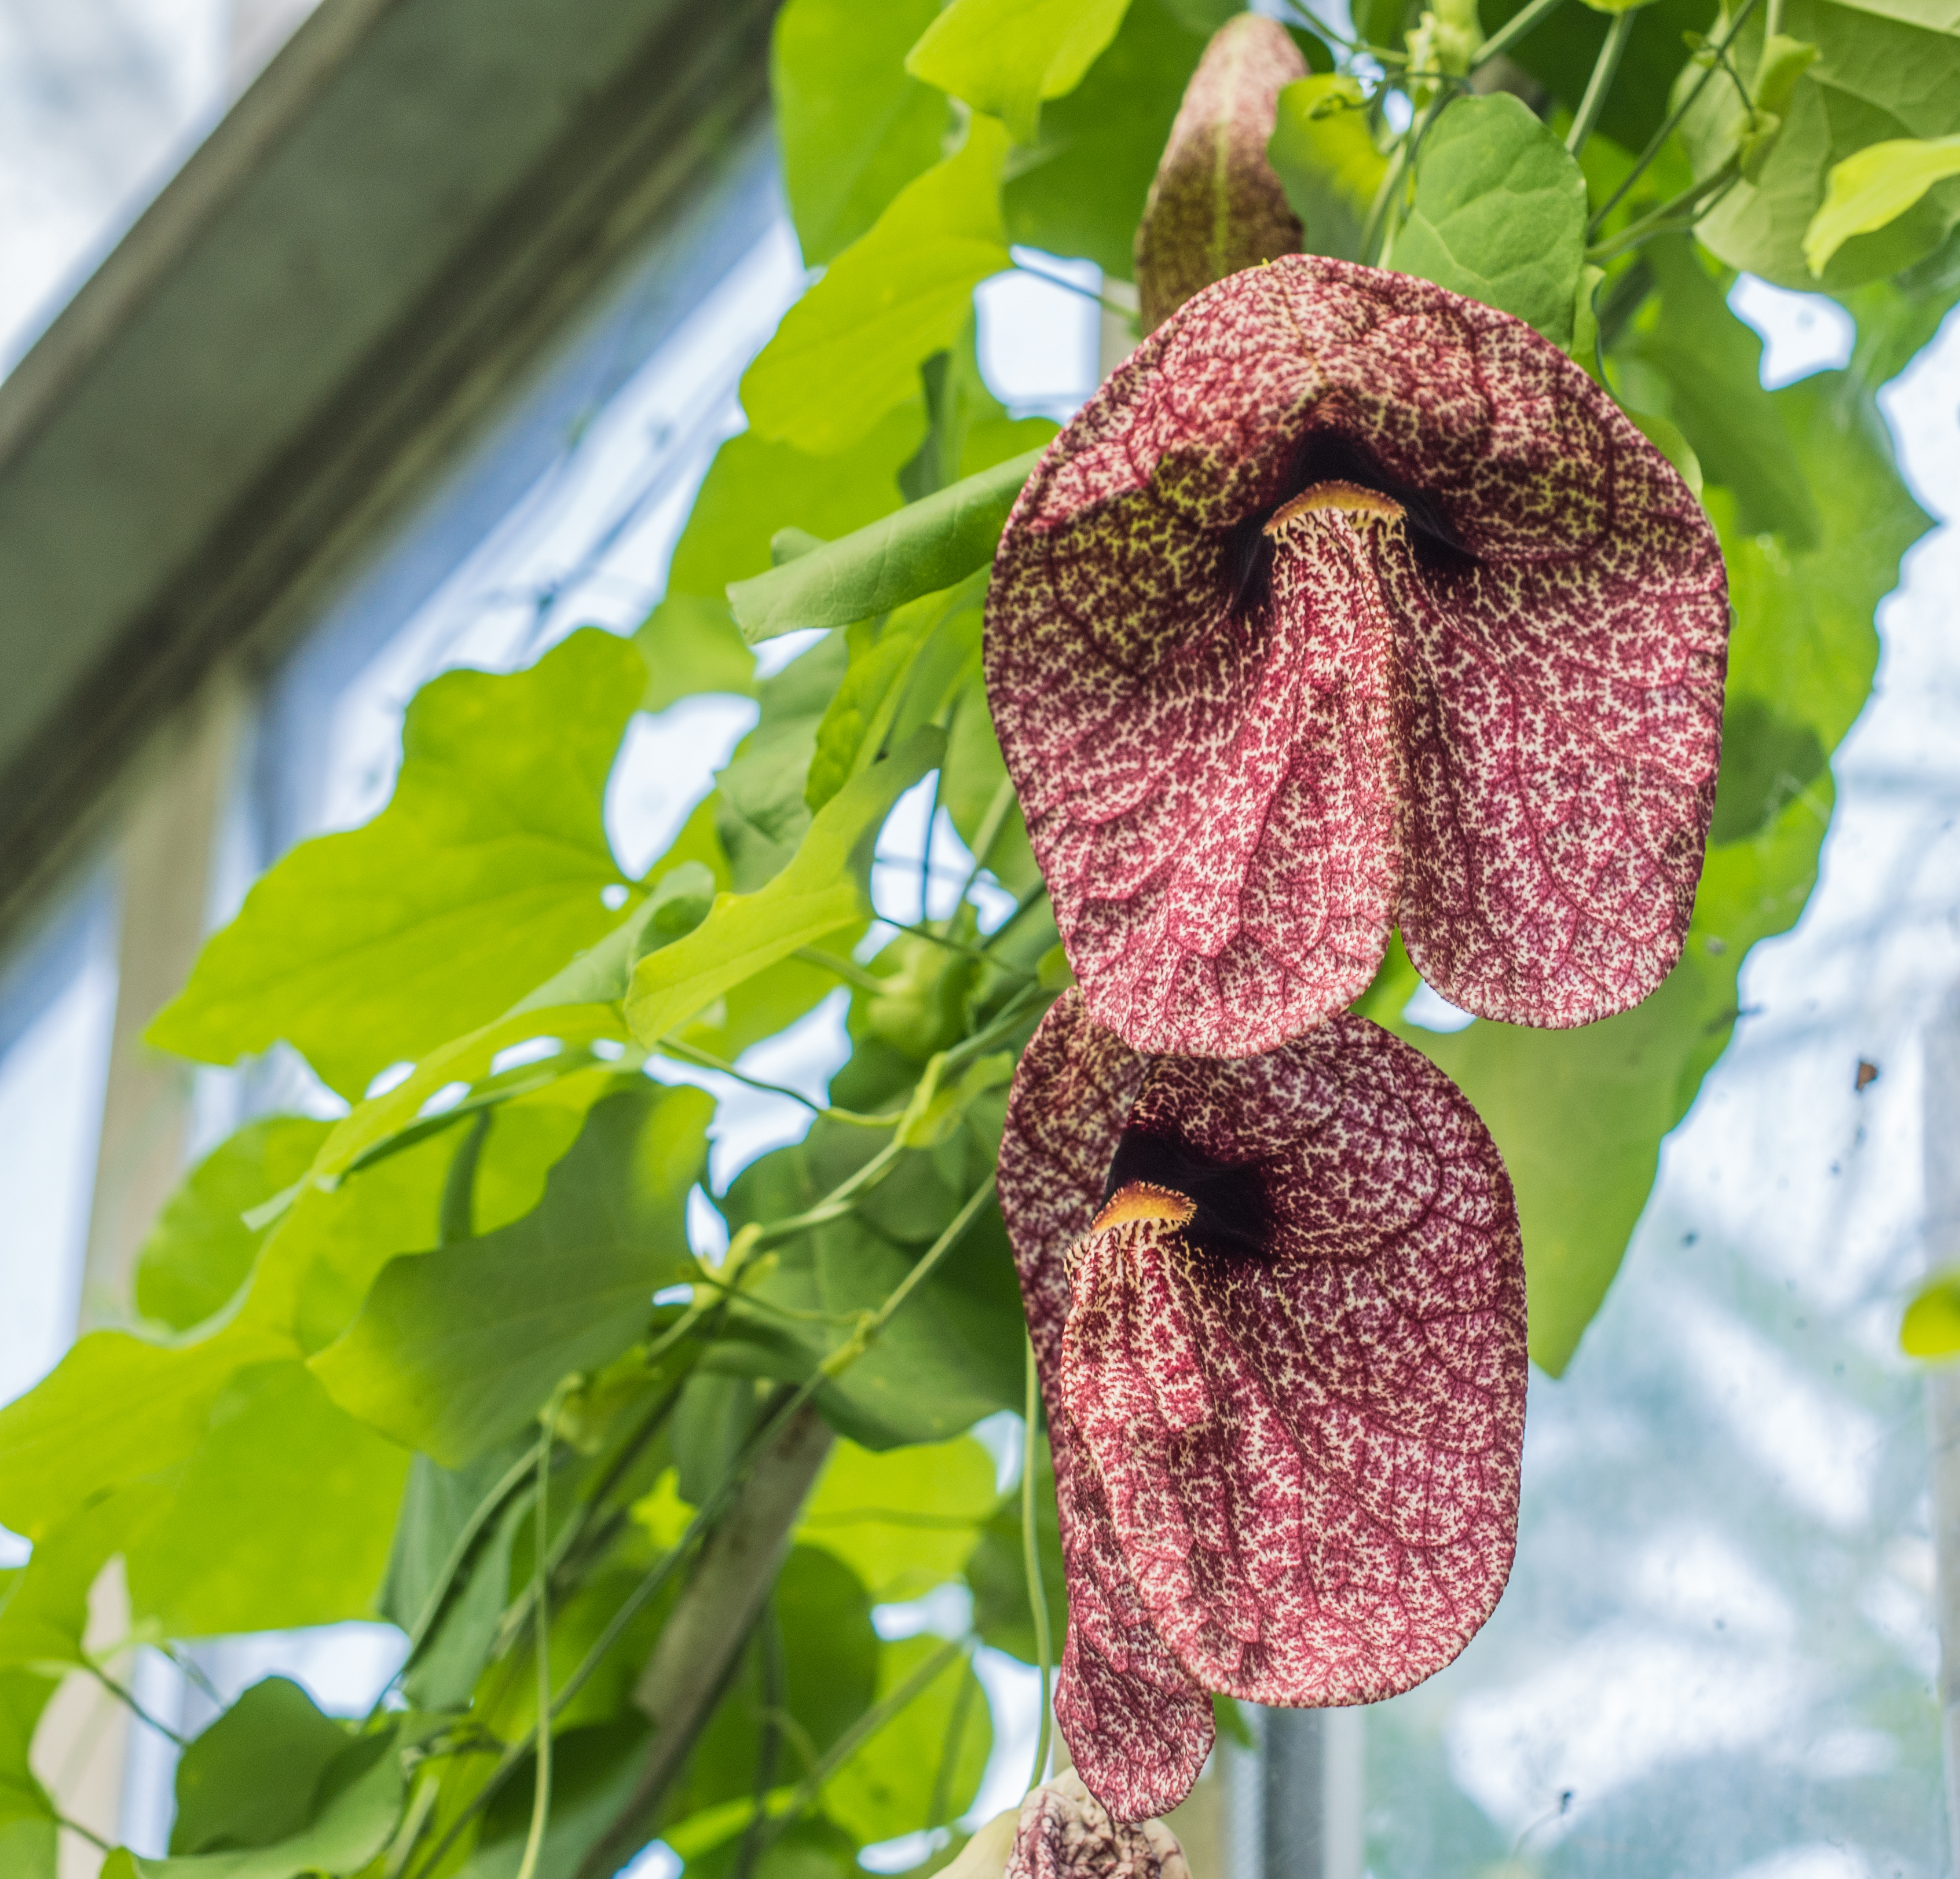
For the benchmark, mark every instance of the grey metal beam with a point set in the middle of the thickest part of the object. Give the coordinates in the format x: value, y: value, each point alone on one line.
x: 388, y: 231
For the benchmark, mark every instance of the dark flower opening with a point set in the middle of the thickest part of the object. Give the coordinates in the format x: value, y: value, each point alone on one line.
x: 1232, y: 1215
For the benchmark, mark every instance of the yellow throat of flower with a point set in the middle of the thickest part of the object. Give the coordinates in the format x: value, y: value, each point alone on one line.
x: 1367, y: 505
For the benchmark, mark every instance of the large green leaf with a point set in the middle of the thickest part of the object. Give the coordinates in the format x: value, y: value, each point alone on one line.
x: 904, y: 1521
x: 927, y: 546
x: 115, y: 1410
x: 754, y: 488
x: 437, y: 1504
x: 1579, y: 1116
x: 934, y: 1750
x: 762, y: 810
x: 1884, y: 71
x: 824, y: 889
x: 280, y: 1518
x: 1326, y: 161
x: 348, y: 1813
x: 692, y: 644
x: 952, y: 1356
x: 970, y: 429
x: 853, y: 126
x: 249, y: 1779
x: 456, y: 1349
x: 905, y: 668
x: 484, y: 873
x: 1708, y: 362
x: 1499, y: 214
x: 27, y: 1814
x: 1004, y: 57
x: 848, y: 352
x: 1080, y: 188
x: 200, y: 1249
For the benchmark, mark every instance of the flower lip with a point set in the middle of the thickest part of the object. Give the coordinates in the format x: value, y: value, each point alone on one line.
x: 1327, y: 459
x: 1144, y: 1200
x: 1230, y: 1212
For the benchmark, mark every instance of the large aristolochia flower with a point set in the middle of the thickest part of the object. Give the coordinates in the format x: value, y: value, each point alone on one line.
x: 1348, y: 602
x: 1278, y: 1310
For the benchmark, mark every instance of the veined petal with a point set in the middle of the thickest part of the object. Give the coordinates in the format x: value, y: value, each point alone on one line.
x: 1065, y: 1833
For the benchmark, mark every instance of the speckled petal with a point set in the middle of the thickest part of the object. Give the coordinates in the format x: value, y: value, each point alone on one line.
x: 1215, y: 205
x: 1065, y: 1833
x: 1244, y: 756
x: 1293, y: 1471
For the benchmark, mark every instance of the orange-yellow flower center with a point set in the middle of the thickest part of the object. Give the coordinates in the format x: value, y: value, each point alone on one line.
x: 1369, y: 504
x: 1144, y: 1200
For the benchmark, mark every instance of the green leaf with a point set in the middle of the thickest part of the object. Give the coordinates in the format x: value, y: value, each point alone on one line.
x: 44, y: 1606
x: 762, y: 808
x: 1874, y: 187
x: 824, y: 889
x: 1931, y: 1327
x: 904, y: 669
x: 1004, y: 57
x: 692, y: 644
x: 1499, y: 214
x: 483, y: 875
x: 350, y: 1814
x: 953, y: 1354
x: 593, y: 1771
x: 822, y: 1615
x: 249, y: 1779
x: 456, y: 1349
x: 904, y: 1521
x: 436, y: 1504
x: 1579, y: 1115
x: 970, y: 429
x: 934, y: 1750
x: 115, y: 1410
x: 1709, y: 363
x: 846, y: 354
x: 997, y: 1571
x: 926, y: 546
x: 200, y: 1250
x: 755, y: 489
x: 27, y: 1816
x: 1080, y: 188
x: 280, y: 1519
x: 1326, y: 161
x: 853, y: 126
x: 1885, y: 72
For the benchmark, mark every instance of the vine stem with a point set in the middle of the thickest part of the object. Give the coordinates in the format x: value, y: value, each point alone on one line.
x: 1514, y: 29
x: 1031, y: 1564
x: 1674, y: 117
x: 534, y: 1841
x: 1600, y: 81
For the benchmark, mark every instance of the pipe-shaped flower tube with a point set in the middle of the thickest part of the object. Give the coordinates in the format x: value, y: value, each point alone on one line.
x: 1349, y: 602
x: 1278, y: 1306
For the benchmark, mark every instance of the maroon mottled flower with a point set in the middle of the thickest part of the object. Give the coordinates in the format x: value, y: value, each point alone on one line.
x: 1215, y: 205
x: 1065, y: 1833
x: 1348, y: 601
x: 1278, y: 1307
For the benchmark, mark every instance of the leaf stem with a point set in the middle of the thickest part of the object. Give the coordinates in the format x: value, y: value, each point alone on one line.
x: 854, y: 1738
x: 127, y: 1698
x: 989, y: 833
x: 1683, y: 211
x: 1031, y: 1564
x: 1600, y: 82
x: 848, y: 969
